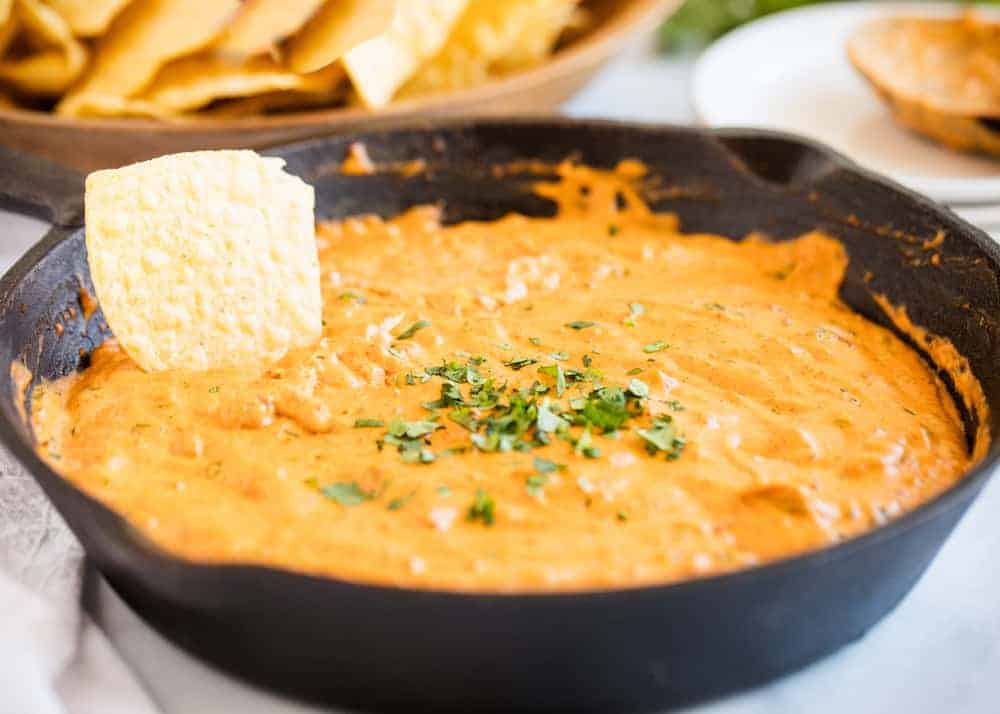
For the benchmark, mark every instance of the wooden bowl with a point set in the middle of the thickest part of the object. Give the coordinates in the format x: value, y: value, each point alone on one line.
x: 88, y: 144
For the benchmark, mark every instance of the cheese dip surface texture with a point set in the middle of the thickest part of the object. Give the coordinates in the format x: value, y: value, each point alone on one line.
x: 593, y: 400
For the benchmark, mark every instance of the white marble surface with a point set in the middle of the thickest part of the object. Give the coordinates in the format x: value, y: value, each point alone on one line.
x: 938, y: 652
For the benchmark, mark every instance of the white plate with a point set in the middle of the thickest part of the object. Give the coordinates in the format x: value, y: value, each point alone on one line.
x: 790, y: 71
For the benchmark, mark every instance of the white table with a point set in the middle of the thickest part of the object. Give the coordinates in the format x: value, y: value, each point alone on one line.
x: 938, y: 652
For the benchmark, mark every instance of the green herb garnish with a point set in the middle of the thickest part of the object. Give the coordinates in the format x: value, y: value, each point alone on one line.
x: 413, y: 329
x: 483, y: 508
x: 410, y: 439
x: 536, y: 341
x: 555, y: 371
x: 346, y: 494
x: 638, y: 388
x: 634, y: 371
x: 580, y: 324
x: 613, y: 229
x: 536, y: 483
x: 544, y: 466
x: 397, y: 503
x: 655, y: 347
x: 662, y: 437
x: 608, y: 408
x: 368, y: 423
x: 520, y: 362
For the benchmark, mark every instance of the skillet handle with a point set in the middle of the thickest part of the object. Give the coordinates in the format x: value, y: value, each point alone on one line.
x: 38, y: 187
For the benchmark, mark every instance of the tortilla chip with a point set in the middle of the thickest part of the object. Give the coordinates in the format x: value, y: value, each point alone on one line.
x: 494, y: 38
x: 8, y: 31
x: 277, y: 102
x: 956, y: 132
x: 380, y: 66
x: 141, y: 40
x: 88, y: 18
x: 190, y: 83
x: 339, y: 26
x: 55, y: 59
x: 261, y: 24
x: 193, y: 82
x: 950, y: 65
x: 204, y: 260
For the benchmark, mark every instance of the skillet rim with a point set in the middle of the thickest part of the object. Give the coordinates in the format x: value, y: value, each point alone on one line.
x: 966, y: 489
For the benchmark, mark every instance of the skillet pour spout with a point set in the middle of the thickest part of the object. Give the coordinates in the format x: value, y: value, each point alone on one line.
x: 634, y: 649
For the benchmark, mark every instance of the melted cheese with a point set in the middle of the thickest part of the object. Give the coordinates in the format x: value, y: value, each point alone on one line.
x: 805, y: 423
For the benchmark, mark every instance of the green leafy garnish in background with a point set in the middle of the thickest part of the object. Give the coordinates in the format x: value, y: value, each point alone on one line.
x: 698, y: 22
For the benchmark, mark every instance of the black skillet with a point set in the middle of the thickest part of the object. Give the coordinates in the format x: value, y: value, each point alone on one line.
x: 622, y: 650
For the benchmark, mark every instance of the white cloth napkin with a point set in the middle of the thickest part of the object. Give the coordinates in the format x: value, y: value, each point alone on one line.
x: 53, y: 658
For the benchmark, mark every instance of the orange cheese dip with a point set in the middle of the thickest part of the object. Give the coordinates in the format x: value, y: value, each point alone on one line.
x: 688, y: 405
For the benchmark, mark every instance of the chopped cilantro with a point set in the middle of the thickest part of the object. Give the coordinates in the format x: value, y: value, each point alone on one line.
x: 584, y: 445
x: 544, y: 466
x: 346, y: 494
x: 549, y: 422
x: 409, y: 438
x: 451, y: 395
x: 368, y: 423
x: 662, y: 436
x: 606, y: 408
x: 535, y: 484
x: 413, y: 329
x: 536, y: 341
x: 655, y: 347
x: 675, y: 405
x: 638, y: 388
x: 580, y: 324
x: 452, y: 451
x: 634, y: 371
x: 614, y: 229
x: 587, y: 360
x: 622, y: 516
x: 636, y: 308
x: 520, y: 362
x: 555, y: 371
x: 464, y: 417
x: 504, y: 346
x: 443, y: 491
x: 483, y: 508
x: 397, y: 503
x: 455, y: 372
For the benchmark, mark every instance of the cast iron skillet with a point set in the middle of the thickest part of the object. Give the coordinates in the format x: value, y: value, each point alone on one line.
x: 621, y: 650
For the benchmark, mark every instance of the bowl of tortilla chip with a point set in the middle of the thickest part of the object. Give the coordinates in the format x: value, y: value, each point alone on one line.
x: 99, y: 83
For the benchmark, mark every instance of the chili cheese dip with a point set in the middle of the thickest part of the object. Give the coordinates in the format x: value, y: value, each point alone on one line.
x: 586, y: 401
